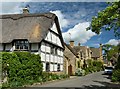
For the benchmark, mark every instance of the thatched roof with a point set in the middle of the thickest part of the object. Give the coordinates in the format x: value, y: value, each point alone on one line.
x: 33, y: 27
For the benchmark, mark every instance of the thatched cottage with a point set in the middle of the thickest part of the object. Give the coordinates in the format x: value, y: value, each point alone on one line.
x: 36, y: 33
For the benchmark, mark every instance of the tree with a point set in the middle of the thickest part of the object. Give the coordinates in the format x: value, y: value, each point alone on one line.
x: 111, y: 52
x: 106, y: 49
x: 107, y: 19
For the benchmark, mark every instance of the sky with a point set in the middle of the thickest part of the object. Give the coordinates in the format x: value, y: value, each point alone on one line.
x: 74, y: 18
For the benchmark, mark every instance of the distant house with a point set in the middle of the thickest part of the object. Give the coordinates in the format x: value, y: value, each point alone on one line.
x: 84, y: 54
x: 96, y: 53
x: 77, y: 56
x: 70, y: 60
x: 35, y: 33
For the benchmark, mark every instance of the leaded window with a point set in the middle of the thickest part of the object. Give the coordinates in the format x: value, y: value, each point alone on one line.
x: 21, y: 45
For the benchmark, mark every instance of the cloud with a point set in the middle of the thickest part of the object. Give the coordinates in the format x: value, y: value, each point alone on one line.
x: 11, y: 8
x: 63, y: 22
x: 113, y: 42
x: 78, y: 33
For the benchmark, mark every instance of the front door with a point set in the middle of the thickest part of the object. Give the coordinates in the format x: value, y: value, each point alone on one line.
x: 70, y: 70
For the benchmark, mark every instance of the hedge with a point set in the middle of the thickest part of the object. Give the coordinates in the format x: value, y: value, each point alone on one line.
x: 22, y: 68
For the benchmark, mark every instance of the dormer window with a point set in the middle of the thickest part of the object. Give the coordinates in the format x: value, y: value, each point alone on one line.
x: 21, y: 45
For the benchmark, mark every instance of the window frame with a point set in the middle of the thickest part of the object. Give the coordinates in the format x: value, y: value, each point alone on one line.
x: 21, y: 45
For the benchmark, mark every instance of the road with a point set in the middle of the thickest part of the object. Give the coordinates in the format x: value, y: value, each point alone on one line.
x: 90, y: 81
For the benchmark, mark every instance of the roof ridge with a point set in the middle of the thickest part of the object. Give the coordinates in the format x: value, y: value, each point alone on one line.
x: 18, y: 16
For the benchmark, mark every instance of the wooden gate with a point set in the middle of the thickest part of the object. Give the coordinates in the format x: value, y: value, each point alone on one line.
x: 70, y: 70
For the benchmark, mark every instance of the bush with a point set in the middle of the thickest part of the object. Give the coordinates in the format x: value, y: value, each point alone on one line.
x: 118, y: 63
x: 93, y: 66
x: 116, y: 75
x: 46, y: 76
x: 22, y: 68
x: 80, y: 72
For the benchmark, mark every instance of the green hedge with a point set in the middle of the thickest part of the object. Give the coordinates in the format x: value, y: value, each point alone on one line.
x: 22, y: 68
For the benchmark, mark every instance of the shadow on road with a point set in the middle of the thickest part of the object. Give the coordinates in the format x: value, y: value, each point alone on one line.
x: 106, y: 85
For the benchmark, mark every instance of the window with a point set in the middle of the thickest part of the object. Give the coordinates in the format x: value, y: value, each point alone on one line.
x: 58, y: 67
x: 22, y: 45
x: 54, y: 50
x: 47, y: 67
x: 91, y: 52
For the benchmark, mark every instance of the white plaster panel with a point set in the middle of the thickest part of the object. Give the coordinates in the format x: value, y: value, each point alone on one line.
x: 55, y: 67
x: 61, y: 67
x: 44, y: 67
x: 51, y: 67
x: 47, y: 57
x: 61, y: 53
x: 48, y: 48
x: 58, y: 41
x: 59, y: 60
x: 54, y: 38
x: 42, y: 56
x: 54, y: 28
x: 52, y: 58
x: 43, y: 47
x: 48, y: 37
x: 58, y: 51
x: 56, y: 59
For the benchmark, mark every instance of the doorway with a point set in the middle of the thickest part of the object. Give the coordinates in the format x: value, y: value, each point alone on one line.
x: 70, y: 69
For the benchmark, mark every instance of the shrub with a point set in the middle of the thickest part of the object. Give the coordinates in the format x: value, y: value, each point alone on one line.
x: 93, y: 66
x: 23, y: 68
x: 80, y: 72
x: 116, y: 75
x: 118, y: 63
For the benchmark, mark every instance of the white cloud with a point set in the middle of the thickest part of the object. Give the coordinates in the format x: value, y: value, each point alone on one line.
x: 11, y: 8
x: 62, y: 21
x: 113, y: 42
x: 78, y: 33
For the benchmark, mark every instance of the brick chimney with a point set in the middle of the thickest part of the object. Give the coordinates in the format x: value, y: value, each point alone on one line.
x: 72, y: 43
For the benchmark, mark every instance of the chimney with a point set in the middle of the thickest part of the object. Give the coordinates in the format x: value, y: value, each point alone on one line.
x: 78, y: 44
x: 72, y: 43
x: 26, y: 10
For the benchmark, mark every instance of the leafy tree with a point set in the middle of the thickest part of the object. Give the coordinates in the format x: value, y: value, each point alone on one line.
x: 113, y: 52
x: 106, y: 49
x: 107, y: 19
